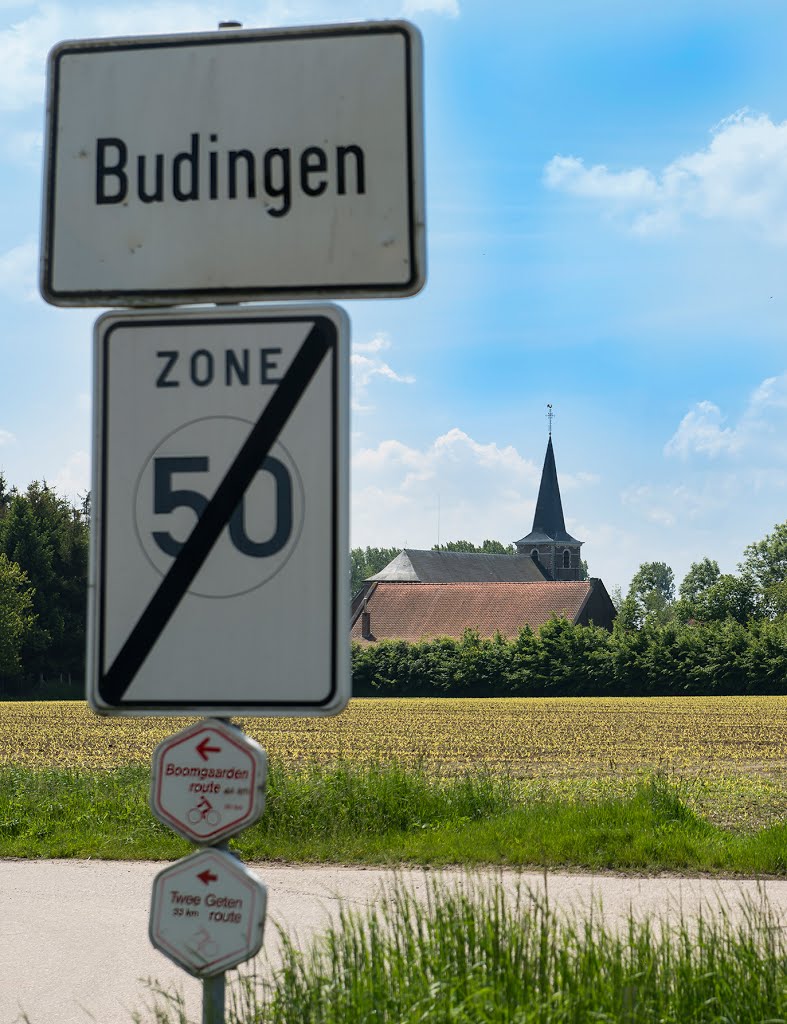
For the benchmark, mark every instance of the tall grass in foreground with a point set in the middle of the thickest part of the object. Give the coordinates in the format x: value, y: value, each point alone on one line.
x: 472, y: 955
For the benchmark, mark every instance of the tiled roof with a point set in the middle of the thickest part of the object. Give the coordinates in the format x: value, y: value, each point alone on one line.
x: 416, y: 566
x: 410, y: 611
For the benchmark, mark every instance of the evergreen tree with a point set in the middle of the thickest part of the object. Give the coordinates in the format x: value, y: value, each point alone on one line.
x: 6, y: 496
x: 24, y: 543
x: 49, y: 540
x: 16, y: 615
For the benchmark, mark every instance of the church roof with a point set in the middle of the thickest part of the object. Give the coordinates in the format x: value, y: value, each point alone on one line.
x: 548, y: 522
x: 415, y: 611
x: 415, y: 566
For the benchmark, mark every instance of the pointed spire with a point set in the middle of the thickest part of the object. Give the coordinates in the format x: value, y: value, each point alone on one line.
x: 548, y: 522
x: 549, y: 508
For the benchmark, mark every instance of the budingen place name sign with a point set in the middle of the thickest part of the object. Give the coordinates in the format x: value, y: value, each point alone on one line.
x: 235, y: 165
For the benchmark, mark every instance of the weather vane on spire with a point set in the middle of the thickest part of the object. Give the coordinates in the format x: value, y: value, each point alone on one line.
x: 550, y: 417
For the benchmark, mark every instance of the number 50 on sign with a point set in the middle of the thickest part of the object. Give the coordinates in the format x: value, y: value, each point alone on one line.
x: 220, y: 512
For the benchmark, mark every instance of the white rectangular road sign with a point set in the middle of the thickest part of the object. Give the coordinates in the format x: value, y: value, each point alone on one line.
x: 220, y: 525
x: 235, y: 165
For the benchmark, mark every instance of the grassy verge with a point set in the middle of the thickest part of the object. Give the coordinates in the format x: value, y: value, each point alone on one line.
x: 472, y: 954
x: 387, y: 814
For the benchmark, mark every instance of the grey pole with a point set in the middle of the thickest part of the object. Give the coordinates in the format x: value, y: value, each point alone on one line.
x: 214, y: 988
x: 213, y: 999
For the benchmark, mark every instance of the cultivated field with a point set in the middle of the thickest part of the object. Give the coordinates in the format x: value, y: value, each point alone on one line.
x: 730, y: 752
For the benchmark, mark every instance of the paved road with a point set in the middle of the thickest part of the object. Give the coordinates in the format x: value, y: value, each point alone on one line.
x: 73, y: 934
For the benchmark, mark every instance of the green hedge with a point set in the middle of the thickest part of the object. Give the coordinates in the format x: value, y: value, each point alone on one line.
x: 563, y: 660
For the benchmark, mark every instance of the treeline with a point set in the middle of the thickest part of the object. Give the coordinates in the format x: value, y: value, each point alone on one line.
x: 43, y: 588
x: 366, y: 562
x: 563, y: 660
x: 721, y: 633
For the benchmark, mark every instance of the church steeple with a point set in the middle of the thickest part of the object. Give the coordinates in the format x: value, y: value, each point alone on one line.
x: 548, y: 542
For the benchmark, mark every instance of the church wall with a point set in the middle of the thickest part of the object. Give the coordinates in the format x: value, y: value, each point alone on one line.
x: 599, y: 609
x: 545, y: 554
x: 574, y: 571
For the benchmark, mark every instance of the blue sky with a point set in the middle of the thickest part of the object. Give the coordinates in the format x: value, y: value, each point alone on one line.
x: 606, y: 230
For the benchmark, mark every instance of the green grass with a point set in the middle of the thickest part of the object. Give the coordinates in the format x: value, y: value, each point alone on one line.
x: 390, y: 815
x: 469, y: 954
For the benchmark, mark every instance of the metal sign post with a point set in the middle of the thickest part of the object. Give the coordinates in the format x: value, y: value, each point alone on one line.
x: 213, y: 999
x: 225, y: 167
x: 207, y: 911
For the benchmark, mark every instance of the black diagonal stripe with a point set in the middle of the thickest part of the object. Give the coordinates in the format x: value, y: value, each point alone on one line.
x: 216, y: 515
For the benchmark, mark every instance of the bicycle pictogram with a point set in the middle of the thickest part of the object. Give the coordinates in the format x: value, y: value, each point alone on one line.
x: 204, y: 812
x: 206, y: 947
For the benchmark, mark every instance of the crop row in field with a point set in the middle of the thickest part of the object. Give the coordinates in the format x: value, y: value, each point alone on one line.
x: 520, y: 737
x: 731, y: 752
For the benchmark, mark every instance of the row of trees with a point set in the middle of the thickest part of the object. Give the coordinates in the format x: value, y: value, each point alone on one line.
x: 563, y: 660
x: 43, y: 583
x: 721, y: 632
x: 366, y: 562
x: 755, y: 593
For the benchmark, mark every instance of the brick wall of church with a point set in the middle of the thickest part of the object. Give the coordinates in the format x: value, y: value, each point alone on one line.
x: 545, y: 554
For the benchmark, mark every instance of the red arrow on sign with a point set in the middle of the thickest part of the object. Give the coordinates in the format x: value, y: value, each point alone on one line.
x: 207, y: 876
x: 203, y: 749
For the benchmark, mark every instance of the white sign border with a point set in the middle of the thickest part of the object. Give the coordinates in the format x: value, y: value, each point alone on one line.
x: 257, y: 792
x: 339, y: 667
x: 181, y: 296
x: 256, y: 924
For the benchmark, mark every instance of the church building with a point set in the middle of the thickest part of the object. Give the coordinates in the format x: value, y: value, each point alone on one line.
x: 422, y: 594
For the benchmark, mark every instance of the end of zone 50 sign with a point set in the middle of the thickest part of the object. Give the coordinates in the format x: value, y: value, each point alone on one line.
x: 231, y: 166
x: 220, y: 532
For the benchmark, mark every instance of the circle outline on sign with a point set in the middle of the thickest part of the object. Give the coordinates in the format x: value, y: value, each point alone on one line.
x: 293, y: 542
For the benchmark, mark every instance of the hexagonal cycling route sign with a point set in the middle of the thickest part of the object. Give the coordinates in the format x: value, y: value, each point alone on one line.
x: 207, y: 913
x: 208, y: 781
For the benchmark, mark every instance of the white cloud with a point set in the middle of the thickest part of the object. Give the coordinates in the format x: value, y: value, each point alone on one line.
x: 18, y: 272
x: 451, y: 449
x: 574, y: 481
x: 386, y: 455
x: 771, y: 394
x: 6, y: 437
x: 701, y: 431
x: 365, y: 368
x: 570, y: 174
x: 761, y: 430
x: 740, y: 177
x: 715, y: 466
x: 379, y: 343
x: 465, y: 488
